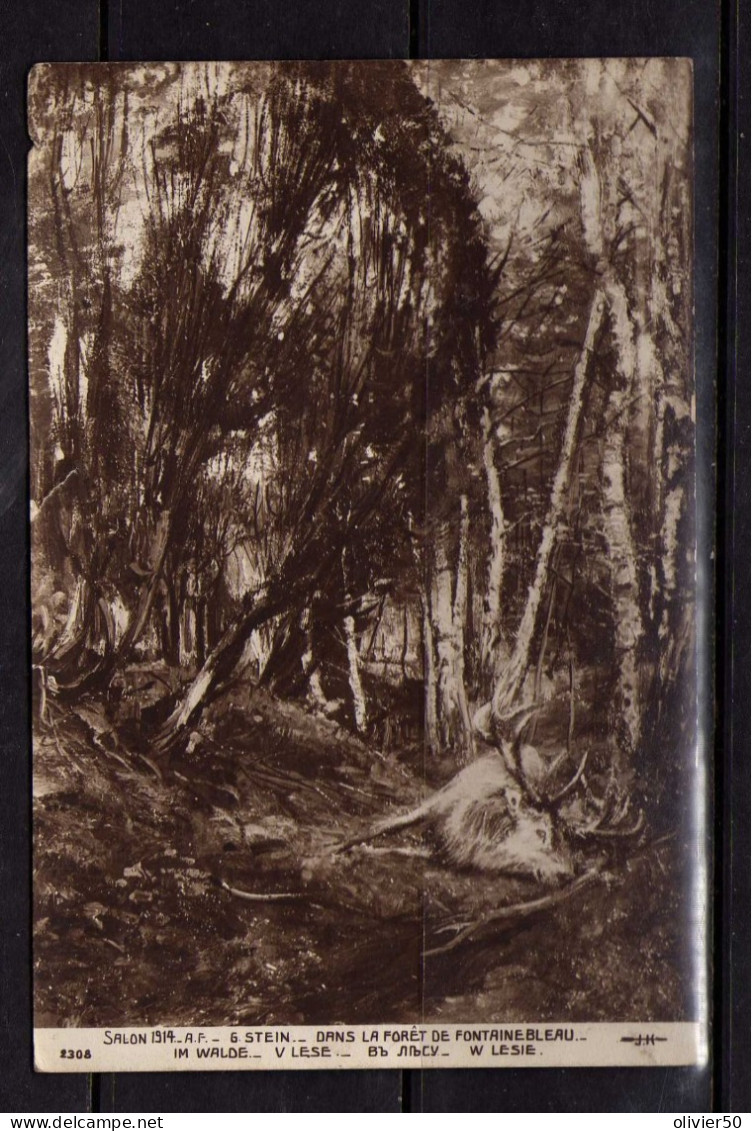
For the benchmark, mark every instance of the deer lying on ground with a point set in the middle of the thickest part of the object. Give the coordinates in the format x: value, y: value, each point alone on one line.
x: 481, y: 820
x: 495, y: 816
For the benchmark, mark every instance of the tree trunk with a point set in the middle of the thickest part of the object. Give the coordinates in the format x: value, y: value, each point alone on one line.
x: 70, y: 660
x: 149, y: 589
x: 220, y: 663
x: 447, y: 713
x: 201, y: 630
x: 80, y: 613
x: 448, y: 615
x: 187, y: 632
x: 668, y: 456
x: 404, y: 651
x: 308, y: 662
x: 531, y: 735
x: 288, y: 590
x: 354, y: 675
x: 618, y: 534
x: 431, y: 729
x: 628, y: 626
x: 460, y: 618
x: 162, y: 544
x: 511, y: 681
x: 677, y: 577
x: 170, y: 621
x: 493, y: 650
x: 357, y: 695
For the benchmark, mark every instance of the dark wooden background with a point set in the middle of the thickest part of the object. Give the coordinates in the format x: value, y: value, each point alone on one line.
x: 717, y: 38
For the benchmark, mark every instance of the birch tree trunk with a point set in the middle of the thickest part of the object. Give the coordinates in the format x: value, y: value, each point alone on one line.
x: 668, y: 460
x: 441, y: 607
x: 449, y: 609
x: 618, y: 534
x: 674, y: 634
x: 459, y: 618
x: 649, y: 384
x: 431, y: 729
x: 493, y: 649
x: 609, y: 300
x: 624, y: 587
x: 309, y: 665
x: 663, y: 379
x: 355, y: 684
x: 509, y: 684
x: 354, y: 675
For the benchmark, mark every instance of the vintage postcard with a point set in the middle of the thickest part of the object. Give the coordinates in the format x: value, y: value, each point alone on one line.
x: 363, y: 566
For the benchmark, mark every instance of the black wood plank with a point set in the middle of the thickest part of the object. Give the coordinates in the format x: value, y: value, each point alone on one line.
x: 565, y: 1089
x: 29, y: 33
x: 733, y: 610
x: 559, y: 28
x: 235, y: 30
x: 255, y: 29
x: 378, y: 1091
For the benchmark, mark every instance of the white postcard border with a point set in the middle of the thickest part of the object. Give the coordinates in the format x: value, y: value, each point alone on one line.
x: 434, y: 1044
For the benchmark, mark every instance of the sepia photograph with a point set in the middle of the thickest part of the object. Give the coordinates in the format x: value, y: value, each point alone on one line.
x: 364, y: 598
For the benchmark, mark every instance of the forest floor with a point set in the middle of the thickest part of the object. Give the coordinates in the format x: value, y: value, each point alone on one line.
x: 140, y: 870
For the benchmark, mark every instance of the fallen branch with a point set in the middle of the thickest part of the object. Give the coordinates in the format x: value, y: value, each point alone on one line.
x: 523, y: 910
x: 261, y: 772
x: 261, y: 897
x: 51, y: 494
x: 387, y: 825
x: 516, y: 910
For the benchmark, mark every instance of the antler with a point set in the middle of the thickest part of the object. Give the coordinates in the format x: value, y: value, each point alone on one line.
x: 617, y: 830
x: 568, y: 789
x: 505, y: 731
x: 610, y: 821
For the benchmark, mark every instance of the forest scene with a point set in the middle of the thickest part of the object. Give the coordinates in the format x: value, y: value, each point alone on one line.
x: 362, y: 532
